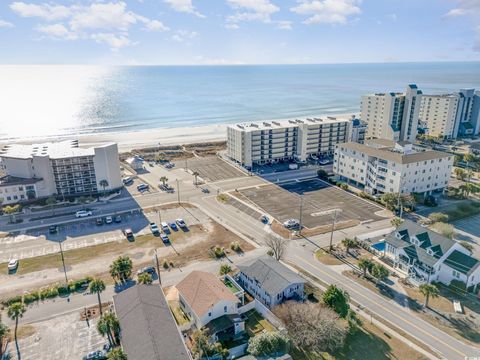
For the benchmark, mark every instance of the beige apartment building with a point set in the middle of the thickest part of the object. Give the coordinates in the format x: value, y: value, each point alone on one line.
x: 272, y: 141
x: 384, y: 166
x: 438, y: 114
x: 57, y: 168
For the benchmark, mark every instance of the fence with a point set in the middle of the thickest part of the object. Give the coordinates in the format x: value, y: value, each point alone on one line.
x: 267, y: 314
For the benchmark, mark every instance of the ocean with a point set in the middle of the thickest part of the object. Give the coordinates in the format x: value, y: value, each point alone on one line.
x: 62, y: 100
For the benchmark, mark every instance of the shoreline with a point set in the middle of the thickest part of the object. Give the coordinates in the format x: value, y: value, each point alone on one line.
x: 138, y: 139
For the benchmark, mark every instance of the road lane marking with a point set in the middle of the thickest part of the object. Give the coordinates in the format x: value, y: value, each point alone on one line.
x: 389, y: 311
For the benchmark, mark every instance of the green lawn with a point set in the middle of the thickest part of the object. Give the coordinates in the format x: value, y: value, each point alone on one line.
x: 180, y: 317
x: 231, y: 286
x: 256, y: 323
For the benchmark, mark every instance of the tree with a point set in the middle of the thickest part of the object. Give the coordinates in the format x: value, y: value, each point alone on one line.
x: 51, y: 201
x: 145, y: 278
x: 4, y: 332
x: 164, y: 180
x: 312, y: 326
x: 268, y: 344
x: 225, y: 269
x: 116, y: 354
x: 109, y: 326
x: 97, y: 286
x: 349, y: 244
x: 276, y: 245
x: 121, y: 269
x: 460, y: 174
x: 196, y: 174
x: 353, y: 321
x: 202, y: 346
x: 438, y: 217
x: 390, y: 200
x: 365, y: 264
x: 396, y: 222
x: 429, y: 291
x: 14, y: 312
x: 444, y: 229
x: 379, y: 272
x: 12, y: 210
x: 322, y: 174
x: 104, y: 184
x: 469, y: 158
x: 337, y: 299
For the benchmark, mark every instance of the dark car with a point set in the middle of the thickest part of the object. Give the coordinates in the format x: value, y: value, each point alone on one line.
x: 117, y: 219
x: 53, y: 229
x: 99, y: 221
x: 149, y: 270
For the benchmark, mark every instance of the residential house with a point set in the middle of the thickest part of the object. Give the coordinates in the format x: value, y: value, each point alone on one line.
x: 208, y: 302
x: 148, y: 329
x: 270, y: 282
x: 427, y: 256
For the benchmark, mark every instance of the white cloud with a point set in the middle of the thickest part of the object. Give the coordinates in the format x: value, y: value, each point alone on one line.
x: 251, y: 10
x: 103, y: 22
x: 471, y: 10
x: 327, y: 11
x: 284, y: 25
x: 185, y: 6
x: 232, y: 26
x: 5, y: 24
x: 183, y: 35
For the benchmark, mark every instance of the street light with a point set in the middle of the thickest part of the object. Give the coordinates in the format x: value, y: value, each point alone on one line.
x: 63, y: 262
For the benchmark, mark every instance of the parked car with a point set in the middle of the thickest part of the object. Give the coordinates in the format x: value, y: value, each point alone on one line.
x: 148, y: 269
x: 164, y: 238
x: 154, y: 228
x: 173, y: 226
x: 165, y: 227
x: 142, y: 187
x: 12, y: 264
x: 127, y: 181
x: 181, y: 223
x: 108, y: 220
x: 99, y: 221
x: 53, y: 229
x: 324, y: 161
x: 95, y: 355
x: 117, y: 219
x: 128, y: 234
x: 83, y: 213
x: 291, y: 223
x: 264, y: 219
x: 205, y: 190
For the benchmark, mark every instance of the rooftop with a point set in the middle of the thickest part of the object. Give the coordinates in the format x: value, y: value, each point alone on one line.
x: 54, y: 150
x: 391, y: 151
x: 462, y: 262
x: 282, y: 124
x: 149, y: 331
x: 271, y: 275
x: 8, y: 180
x: 202, y: 290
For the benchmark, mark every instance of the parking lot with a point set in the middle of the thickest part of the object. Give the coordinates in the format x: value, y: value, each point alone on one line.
x: 63, y: 337
x: 40, y: 242
x: 212, y: 168
x: 320, y: 200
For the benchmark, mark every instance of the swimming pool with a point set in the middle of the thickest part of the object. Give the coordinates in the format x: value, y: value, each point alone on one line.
x: 380, y: 246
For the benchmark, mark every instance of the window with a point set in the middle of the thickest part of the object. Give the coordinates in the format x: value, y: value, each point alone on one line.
x: 225, y: 309
x: 209, y: 314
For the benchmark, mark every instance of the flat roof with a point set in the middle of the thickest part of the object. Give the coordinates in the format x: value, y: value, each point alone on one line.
x: 8, y: 180
x: 282, y: 124
x: 387, y: 153
x: 54, y: 150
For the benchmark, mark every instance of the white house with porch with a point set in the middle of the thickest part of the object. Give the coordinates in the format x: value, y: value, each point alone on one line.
x: 427, y: 256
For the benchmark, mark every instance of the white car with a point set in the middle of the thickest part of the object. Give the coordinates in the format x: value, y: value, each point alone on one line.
x: 291, y: 223
x: 165, y: 227
x: 12, y: 264
x: 83, y: 213
x: 181, y: 223
x: 108, y: 220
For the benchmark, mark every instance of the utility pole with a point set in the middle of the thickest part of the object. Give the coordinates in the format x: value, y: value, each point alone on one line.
x: 158, y: 267
x: 300, y: 215
x: 63, y: 262
x: 178, y: 191
x: 333, y: 228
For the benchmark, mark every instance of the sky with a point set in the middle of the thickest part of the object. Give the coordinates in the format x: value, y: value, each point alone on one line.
x: 212, y: 32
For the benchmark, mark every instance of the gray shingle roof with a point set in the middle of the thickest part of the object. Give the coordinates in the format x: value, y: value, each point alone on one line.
x: 272, y: 276
x: 148, y: 329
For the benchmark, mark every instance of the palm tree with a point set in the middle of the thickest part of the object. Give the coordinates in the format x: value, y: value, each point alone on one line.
x: 429, y: 291
x: 349, y: 244
x: 16, y: 311
x: 117, y: 354
x: 225, y: 269
x: 121, y: 269
x: 97, y: 286
x: 396, y: 222
x: 195, y: 173
x: 145, y: 278
x: 103, y: 183
x: 468, y: 158
x: 365, y: 264
x: 4, y: 330
x: 164, y: 180
x: 103, y: 328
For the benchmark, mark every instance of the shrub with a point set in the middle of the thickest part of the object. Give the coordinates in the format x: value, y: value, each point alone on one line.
x: 218, y: 252
x: 438, y: 217
x: 268, y: 343
x: 457, y: 285
x: 444, y: 229
x: 13, y: 300
x: 63, y: 290
x: 49, y: 292
x: 225, y: 269
x: 235, y: 246
x: 31, y: 297
x: 165, y: 264
x: 343, y: 186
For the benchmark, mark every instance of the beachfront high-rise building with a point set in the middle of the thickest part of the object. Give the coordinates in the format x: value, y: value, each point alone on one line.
x: 272, y: 141
x: 451, y: 115
x: 385, y: 166
x: 392, y: 116
x: 57, y: 168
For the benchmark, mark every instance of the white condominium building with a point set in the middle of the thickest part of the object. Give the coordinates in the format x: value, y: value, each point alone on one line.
x: 57, y: 168
x: 392, y: 116
x: 385, y: 166
x: 438, y: 114
x: 272, y: 141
